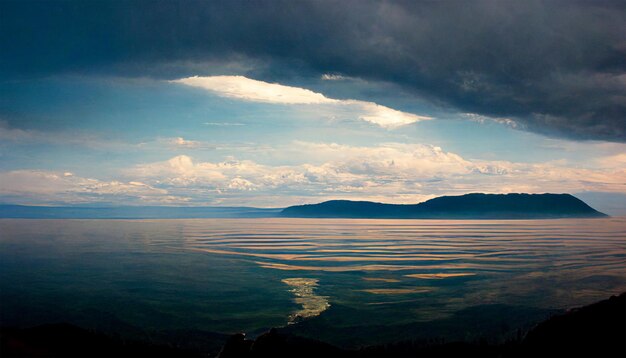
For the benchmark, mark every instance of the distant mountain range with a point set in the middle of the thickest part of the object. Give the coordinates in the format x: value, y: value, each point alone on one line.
x: 469, y: 206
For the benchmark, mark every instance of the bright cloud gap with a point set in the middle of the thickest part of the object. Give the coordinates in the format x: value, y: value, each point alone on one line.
x: 246, y: 89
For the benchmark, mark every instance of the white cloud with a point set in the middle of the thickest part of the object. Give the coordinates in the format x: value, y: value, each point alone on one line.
x: 332, y: 77
x: 246, y: 89
x: 224, y: 124
x: 390, y: 172
x: 184, y: 143
x: 41, y: 186
x: 384, y: 116
x: 388, y: 159
x: 240, y: 87
x: 241, y: 184
x: 483, y: 119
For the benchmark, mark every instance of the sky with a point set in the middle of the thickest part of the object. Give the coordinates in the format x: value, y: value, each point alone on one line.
x: 275, y: 103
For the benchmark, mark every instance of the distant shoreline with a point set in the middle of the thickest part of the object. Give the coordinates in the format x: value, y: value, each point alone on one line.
x: 476, y: 206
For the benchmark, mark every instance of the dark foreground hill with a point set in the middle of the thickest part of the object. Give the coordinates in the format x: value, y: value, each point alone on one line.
x: 469, y: 206
x: 597, y: 330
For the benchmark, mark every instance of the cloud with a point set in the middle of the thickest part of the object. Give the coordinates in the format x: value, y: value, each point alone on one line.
x: 182, y: 143
x: 384, y: 116
x: 555, y: 67
x: 240, y: 87
x: 225, y: 124
x: 8, y: 134
x: 241, y: 184
x: 246, y: 89
x: 613, y: 161
x: 15, y: 136
x: 332, y: 77
x: 51, y: 187
x: 483, y: 119
x: 178, y: 171
x: 390, y: 172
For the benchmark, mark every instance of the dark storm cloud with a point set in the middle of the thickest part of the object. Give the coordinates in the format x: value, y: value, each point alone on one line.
x: 557, y: 67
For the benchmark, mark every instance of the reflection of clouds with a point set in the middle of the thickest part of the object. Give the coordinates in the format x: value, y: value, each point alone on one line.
x: 350, y: 268
x: 312, y: 304
x: 396, y: 291
x: 541, y: 263
x: 380, y: 279
x: 435, y: 276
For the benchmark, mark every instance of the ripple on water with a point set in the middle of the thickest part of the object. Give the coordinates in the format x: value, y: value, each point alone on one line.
x: 545, y: 263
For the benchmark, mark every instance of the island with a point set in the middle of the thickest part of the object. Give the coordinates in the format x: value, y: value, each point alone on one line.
x: 468, y: 206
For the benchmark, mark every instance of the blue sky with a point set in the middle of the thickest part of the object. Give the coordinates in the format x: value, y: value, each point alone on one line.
x: 234, y: 126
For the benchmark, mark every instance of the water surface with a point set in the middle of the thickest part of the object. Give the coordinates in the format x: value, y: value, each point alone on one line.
x: 229, y: 275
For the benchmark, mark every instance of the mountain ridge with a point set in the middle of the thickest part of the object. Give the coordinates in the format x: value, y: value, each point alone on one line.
x: 467, y: 206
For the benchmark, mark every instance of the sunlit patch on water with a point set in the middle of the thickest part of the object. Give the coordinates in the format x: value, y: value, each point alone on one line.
x: 438, y: 276
x: 304, y: 292
x: 380, y: 279
x: 396, y: 291
x: 355, y: 268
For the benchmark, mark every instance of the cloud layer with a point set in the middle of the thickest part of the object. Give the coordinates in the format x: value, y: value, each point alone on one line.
x: 557, y: 67
x: 392, y: 172
x: 50, y: 187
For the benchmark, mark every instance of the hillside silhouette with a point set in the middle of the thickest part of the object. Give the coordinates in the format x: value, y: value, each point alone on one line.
x: 469, y: 206
x: 596, y: 330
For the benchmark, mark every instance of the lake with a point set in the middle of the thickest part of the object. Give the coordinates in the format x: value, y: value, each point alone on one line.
x: 349, y: 282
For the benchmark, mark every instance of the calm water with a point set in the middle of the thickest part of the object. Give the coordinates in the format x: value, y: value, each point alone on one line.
x: 316, y: 276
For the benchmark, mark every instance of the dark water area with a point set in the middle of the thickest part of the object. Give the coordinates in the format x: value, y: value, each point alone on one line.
x: 346, y: 282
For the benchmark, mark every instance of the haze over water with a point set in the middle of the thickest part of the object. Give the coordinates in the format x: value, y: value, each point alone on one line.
x: 229, y: 275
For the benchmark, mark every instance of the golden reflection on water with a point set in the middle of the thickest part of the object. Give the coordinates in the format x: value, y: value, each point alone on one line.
x: 435, y: 276
x: 380, y: 279
x: 353, y: 268
x: 491, y: 259
x: 312, y: 304
x: 396, y: 291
